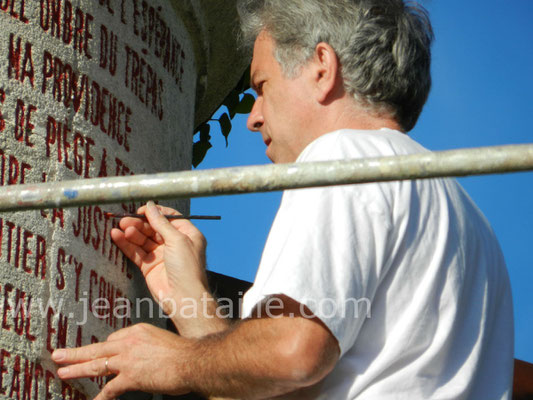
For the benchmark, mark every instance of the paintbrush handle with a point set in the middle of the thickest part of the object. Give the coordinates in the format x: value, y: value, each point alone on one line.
x: 205, y: 217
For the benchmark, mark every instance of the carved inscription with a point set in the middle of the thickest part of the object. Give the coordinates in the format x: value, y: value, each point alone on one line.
x: 82, y: 84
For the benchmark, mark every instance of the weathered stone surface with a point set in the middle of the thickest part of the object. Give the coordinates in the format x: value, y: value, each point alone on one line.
x: 92, y: 88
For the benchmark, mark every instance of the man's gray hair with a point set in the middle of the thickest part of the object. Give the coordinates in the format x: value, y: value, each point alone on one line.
x: 383, y: 46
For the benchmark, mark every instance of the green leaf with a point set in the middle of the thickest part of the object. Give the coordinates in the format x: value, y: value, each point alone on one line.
x: 204, y: 132
x: 234, y: 104
x: 225, y: 126
x: 246, y: 104
x: 199, y: 150
x: 231, y: 102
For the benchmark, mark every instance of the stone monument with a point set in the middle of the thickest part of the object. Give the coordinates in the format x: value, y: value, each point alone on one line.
x: 92, y: 88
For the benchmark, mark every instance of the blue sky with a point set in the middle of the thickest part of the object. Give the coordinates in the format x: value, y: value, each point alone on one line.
x: 481, y: 96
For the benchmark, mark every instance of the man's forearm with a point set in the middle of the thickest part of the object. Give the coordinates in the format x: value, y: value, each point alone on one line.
x: 256, y: 359
x: 198, y: 315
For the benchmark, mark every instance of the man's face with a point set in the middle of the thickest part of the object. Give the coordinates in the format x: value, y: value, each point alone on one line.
x: 282, y: 109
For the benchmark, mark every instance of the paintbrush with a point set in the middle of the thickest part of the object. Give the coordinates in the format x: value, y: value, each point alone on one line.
x: 205, y: 217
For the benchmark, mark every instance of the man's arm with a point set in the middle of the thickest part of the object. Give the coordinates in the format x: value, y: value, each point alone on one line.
x: 257, y: 358
x: 171, y: 256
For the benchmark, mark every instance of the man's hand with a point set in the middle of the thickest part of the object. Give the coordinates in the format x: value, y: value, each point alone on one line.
x: 142, y: 357
x: 257, y: 358
x: 171, y: 256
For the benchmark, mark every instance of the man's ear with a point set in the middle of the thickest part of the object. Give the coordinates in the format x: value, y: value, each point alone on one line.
x: 327, y: 75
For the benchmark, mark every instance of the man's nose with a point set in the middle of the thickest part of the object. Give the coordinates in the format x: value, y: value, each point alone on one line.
x: 256, y: 119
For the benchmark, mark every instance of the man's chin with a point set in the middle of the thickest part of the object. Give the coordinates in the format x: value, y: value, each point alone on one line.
x: 268, y: 153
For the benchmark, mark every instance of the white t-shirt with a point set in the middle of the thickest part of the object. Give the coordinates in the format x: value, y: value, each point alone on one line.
x: 408, y: 276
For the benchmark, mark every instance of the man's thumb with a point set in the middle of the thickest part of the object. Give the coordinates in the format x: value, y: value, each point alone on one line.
x: 158, y: 222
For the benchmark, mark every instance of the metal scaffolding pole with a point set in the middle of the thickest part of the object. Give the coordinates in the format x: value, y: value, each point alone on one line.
x: 189, y: 184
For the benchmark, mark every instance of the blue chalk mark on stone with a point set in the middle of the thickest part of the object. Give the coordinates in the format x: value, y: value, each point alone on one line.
x: 70, y: 194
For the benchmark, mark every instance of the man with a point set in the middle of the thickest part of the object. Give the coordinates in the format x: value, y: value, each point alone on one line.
x: 376, y: 291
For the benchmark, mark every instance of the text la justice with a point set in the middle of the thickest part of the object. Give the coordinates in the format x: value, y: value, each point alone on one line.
x: 93, y: 226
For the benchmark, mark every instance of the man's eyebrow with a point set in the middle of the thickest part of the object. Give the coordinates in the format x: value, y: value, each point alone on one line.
x: 256, y: 76
x: 253, y: 78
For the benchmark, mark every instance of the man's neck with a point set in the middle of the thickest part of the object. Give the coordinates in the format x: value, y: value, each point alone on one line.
x: 345, y: 115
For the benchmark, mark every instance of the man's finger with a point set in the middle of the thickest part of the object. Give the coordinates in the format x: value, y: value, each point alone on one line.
x: 135, y: 236
x: 176, y: 223
x: 114, y: 388
x: 86, y: 353
x: 159, y: 223
x: 138, y: 223
x: 150, y: 246
x: 163, y: 209
x: 89, y: 369
x: 147, y: 243
x: 132, y: 251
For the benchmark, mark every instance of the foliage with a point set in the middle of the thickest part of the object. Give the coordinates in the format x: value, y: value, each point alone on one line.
x: 237, y: 102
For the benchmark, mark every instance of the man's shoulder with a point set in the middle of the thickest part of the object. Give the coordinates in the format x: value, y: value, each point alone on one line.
x: 351, y: 143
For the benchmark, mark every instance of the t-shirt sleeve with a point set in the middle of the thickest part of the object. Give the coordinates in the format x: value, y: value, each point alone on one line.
x: 325, y: 250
